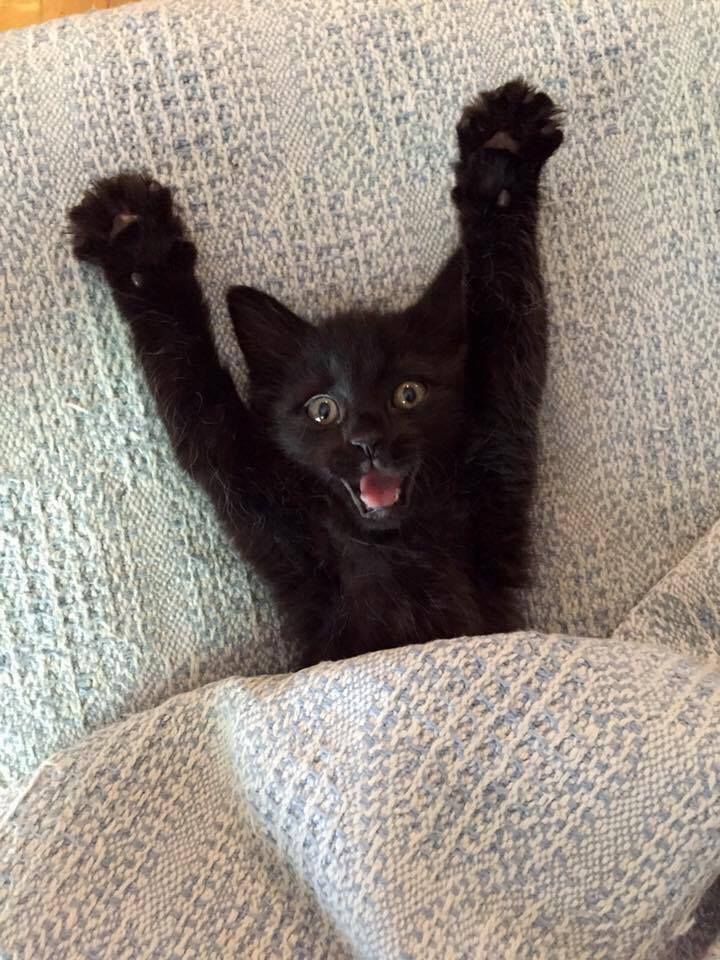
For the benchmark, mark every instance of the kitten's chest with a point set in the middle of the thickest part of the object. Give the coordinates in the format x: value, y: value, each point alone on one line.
x: 391, y: 595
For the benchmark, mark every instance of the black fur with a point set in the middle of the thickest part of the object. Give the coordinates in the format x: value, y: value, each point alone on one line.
x: 446, y: 560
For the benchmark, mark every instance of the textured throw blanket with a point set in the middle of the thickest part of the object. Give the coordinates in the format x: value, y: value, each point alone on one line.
x: 506, y: 797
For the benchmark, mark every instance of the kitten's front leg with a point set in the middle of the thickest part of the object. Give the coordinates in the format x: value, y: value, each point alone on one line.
x: 505, y: 137
x: 127, y: 225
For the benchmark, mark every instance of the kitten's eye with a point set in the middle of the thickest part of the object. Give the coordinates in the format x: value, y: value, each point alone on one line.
x: 323, y: 410
x: 409, y: 395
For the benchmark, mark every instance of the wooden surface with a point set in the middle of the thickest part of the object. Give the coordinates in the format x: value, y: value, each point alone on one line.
x: 21, y: 13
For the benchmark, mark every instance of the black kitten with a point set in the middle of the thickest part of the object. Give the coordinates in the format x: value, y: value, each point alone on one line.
x: 380, y: 477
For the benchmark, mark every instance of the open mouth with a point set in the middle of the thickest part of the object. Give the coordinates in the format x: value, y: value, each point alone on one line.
x: 379, y: 492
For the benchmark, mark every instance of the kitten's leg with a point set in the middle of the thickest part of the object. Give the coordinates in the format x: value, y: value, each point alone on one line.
x: 127, y: 225
x: 505, y: 136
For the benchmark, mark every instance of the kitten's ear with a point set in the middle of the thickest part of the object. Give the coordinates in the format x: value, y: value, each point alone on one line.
x: 268, y: 333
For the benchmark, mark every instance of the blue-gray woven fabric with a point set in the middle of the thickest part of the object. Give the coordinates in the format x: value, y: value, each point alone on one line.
x: 507, y: 797
x: 522, y: 797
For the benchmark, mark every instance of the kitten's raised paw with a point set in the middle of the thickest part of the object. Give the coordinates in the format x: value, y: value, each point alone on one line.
x: 516, y: 118
x: 127, y: 225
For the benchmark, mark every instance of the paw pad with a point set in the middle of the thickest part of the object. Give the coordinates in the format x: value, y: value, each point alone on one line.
x: 121, y: 222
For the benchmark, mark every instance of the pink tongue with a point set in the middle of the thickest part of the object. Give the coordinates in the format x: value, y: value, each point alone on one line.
x: 379, y: 489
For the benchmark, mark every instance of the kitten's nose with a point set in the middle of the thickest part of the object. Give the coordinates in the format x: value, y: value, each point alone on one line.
x: 367, y: 442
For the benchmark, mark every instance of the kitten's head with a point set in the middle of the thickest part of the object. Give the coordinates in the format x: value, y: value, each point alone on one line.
x: 371, y: 404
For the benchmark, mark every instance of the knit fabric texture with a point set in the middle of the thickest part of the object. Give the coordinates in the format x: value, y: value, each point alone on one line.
x: 530, y: 796
x: 311, y: 145
x: 511, y: 797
